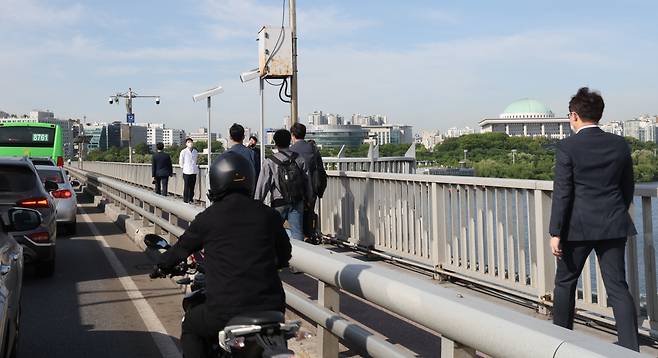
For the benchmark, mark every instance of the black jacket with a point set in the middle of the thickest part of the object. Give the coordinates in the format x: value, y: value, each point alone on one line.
x: 161, y: 165
x: 245, y: 244
x: 256, y: 161
x: 593, y: 187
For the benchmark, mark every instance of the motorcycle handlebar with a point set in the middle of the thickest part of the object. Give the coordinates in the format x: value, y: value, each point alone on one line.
x: 178, y: 270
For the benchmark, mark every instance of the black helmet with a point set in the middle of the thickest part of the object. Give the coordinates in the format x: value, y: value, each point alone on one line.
x: 229, y: 173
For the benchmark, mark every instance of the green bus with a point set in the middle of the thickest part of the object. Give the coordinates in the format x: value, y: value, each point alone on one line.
x: 33, y: 140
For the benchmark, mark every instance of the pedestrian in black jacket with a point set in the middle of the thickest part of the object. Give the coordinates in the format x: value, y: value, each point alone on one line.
x: 162, y: 169
x: 592, y: 192
x: 253, y: 142
x: 244, y: 244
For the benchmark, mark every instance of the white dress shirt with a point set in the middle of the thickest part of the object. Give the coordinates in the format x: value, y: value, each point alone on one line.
x: 187, y: 160
x: 587, y: 126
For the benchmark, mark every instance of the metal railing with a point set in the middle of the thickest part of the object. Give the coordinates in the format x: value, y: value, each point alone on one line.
x: 493, y: 232
x: 373, y: 162
x: 488, y: 231
x: 466, y: 324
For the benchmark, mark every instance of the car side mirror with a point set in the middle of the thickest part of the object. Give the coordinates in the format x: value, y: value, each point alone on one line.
x: 21, y: 219
x: 50, y: 186
x: 155, y: 242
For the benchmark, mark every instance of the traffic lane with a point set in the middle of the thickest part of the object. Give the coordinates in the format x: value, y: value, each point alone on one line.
x: 84, y: 310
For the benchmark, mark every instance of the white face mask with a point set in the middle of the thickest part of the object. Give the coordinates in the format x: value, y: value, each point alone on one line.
x: 189, y: 144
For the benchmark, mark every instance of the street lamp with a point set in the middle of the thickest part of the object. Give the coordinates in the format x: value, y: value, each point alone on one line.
x: 130, y: 116
x: 513, y: 156
x: 207, y: 95
x: 465, y: 151
x: 246, y: 77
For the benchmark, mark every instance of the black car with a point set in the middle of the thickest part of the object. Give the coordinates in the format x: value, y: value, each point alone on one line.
x: 20, y: 186
x: 11, y: 273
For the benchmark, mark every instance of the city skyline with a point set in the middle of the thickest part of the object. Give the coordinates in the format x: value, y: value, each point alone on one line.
x: 440, y: 71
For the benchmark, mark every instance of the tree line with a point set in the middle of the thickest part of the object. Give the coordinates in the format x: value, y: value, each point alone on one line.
x: 501, y: 156
x: 142, y: 153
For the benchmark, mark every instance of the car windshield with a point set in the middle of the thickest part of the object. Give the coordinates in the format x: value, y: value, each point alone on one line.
x: 52, y: 175
x: 16, y: 179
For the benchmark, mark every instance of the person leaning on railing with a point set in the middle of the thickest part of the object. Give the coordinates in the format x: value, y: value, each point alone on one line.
x: 592, y: 191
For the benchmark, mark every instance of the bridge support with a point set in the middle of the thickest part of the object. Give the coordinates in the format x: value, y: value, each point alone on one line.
x: 452, y: 349
x: 328, y: 297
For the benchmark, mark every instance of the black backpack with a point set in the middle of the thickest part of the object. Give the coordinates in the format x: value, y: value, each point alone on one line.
x: 318, y: 174
x: 291, y: 178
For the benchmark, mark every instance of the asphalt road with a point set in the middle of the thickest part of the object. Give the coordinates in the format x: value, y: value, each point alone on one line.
x: 88, y: 310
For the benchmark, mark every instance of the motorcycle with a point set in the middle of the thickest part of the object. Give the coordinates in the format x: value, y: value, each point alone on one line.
x: 250, y: 335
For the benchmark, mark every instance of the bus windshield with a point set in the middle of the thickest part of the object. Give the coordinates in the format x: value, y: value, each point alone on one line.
x: 39, y: 137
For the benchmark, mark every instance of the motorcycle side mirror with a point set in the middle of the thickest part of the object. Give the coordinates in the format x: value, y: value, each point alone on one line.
x: 75, y: 183
x: 153, y: 241
x: 50, y: 186
x: 21, y: 219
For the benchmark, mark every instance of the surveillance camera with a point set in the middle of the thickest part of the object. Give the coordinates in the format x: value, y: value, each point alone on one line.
x: 111, y: 100
x: 208, y: 93
x: 157, y: 100
x: 249, y: 75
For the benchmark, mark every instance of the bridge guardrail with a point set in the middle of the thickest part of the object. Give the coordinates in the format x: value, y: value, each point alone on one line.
x: 461, y: 320
x: 489, y: 231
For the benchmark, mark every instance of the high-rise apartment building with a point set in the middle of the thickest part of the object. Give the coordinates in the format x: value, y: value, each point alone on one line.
x: 642, y: 128
x: 172, y: 136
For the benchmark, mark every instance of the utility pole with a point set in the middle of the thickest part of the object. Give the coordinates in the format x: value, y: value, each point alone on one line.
x: 294, y: 101
x: 129, y: 111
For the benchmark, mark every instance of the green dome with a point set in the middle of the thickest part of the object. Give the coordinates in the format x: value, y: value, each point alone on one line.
x: 527, y: 108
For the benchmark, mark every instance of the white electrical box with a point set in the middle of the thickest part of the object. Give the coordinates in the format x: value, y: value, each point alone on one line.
x: 275, y: 52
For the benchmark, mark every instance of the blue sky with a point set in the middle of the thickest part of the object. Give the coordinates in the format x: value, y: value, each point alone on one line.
x: 431, y: 64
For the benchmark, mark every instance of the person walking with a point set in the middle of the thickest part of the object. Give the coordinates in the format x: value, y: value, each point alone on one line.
x: 236, y: 133
x: 592, y: 192
x: 188, y: 162
x: 162, y: 169
x: 317, y: 174
x: 253, y: 145
x: 284, y: 177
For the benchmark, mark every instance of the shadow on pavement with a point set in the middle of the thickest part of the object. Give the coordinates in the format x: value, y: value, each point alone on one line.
x: 83, y: 311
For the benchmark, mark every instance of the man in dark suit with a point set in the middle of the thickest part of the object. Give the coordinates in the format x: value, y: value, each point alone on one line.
x: 592, y: 191
x: 162, y: 169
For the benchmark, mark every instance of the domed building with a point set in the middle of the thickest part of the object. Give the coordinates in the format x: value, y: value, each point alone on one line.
x: 528, y: 118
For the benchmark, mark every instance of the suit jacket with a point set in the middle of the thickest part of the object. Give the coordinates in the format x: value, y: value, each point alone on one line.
x: 593, y: 187
x: 161, y: 165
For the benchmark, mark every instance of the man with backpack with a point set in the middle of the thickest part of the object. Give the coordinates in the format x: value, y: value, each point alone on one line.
x: 318, y: 176
x: 284, y: 176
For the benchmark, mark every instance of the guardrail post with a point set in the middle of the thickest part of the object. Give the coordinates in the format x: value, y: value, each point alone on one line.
x: 649, y: 263
x: 147, y: 207
x: 545, y: 268
x: 156, y: 228
x: 438, y: 228
x: 328, y: 297
x: 173, y: 220
x: 135, y: 214
x: 122, y: 196
x: 452, y: 349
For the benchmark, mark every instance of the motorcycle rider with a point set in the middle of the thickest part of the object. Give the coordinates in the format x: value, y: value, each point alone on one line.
x: 244, y: 244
